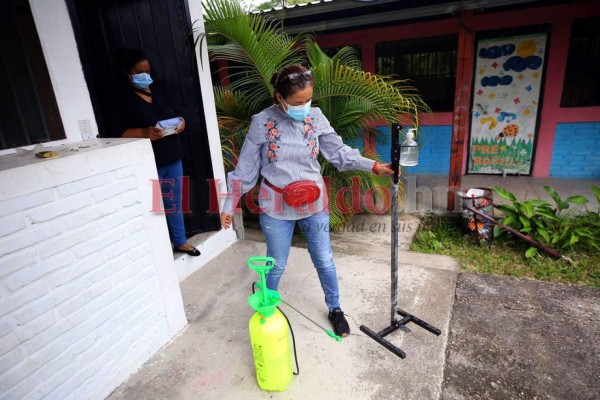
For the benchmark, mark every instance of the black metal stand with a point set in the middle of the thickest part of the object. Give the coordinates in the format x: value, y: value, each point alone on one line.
x: 395, y: 324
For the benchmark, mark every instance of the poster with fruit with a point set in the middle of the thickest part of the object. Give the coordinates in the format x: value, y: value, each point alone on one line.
x: 506, y: 94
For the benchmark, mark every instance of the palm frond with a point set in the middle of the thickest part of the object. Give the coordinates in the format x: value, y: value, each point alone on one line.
x: 341, y: 83
x: 353, y: 100
x: 250, y: 40
x: 348, y: 56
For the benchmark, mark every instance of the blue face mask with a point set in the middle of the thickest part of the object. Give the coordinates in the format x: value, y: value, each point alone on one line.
x: 142, y: 80
x: 298, y: 112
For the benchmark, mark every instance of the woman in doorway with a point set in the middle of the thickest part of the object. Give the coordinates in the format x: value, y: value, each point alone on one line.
x: 138, y: 110
x: 282, y: 145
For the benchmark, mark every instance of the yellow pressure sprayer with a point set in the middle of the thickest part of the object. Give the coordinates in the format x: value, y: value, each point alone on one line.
x: 269, y: 333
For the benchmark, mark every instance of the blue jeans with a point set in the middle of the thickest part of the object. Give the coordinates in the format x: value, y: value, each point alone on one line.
x: 278, y: 234
x: 171, y: 177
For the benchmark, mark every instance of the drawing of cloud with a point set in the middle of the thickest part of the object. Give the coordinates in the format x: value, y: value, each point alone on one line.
x: 496, y: 80
x: 518, y: 64
x: 497, y: 51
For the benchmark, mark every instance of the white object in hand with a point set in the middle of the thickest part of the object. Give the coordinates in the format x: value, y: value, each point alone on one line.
x: 169, y: 126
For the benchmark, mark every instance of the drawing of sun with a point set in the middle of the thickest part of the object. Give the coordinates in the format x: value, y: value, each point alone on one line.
x: 526, y: 48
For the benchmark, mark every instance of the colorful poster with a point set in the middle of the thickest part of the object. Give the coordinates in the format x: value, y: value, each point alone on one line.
x: 506, y: 93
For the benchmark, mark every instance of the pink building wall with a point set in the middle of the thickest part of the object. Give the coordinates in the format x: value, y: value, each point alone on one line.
x: 560, y: 17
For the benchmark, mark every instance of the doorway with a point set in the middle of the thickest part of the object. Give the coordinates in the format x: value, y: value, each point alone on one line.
x: 161, y: 28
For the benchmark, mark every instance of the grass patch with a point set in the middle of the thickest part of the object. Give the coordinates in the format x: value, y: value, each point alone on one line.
x: 503, y: 256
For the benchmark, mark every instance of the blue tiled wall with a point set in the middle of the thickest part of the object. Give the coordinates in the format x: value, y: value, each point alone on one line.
x: 434, y: 148
x: 576, y: 151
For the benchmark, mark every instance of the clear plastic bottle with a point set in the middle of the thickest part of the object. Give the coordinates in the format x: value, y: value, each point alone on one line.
x: 409, y: 154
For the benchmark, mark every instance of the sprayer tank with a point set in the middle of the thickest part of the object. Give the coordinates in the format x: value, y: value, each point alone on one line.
x: 272, y: 353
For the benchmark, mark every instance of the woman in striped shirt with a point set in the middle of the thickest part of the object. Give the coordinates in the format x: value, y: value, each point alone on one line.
x: 282, y: 145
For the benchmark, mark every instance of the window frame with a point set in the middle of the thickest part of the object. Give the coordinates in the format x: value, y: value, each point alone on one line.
x: 57, y: 38
x: 429, y: 43
x: 593, y: 21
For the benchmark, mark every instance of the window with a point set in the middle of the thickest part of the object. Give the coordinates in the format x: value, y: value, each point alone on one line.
x: 28, y: 110
x: 429, y: 64
x: 581, y: 87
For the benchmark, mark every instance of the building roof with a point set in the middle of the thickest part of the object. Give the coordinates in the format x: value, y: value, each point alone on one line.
x: 338, y: 15
x: 289, y: 7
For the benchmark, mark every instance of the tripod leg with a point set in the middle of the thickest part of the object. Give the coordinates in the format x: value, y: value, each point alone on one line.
x: 397, y: 351
x: 420, y: 322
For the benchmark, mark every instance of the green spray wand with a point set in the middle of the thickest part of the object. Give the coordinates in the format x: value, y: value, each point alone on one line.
x: 270, y: 298
x: 327, y: 331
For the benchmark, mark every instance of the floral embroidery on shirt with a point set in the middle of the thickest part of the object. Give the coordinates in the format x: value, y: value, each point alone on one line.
x: 272, y: 137
x: 308, y: 128
x: 314, y: 148
x: 308, y: 132
x: 272, y: 152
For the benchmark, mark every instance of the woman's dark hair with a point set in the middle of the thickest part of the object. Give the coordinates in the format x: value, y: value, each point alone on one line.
x: 285, y: 87
x: 128, y: 58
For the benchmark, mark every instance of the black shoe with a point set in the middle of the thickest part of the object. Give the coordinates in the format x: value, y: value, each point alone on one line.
x: 340, y: 325
x: 194, y: 252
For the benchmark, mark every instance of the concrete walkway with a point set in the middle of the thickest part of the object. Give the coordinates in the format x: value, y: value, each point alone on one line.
x: 212, y: 358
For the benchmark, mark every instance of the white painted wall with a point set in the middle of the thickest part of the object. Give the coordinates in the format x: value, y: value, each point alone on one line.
x: 88, y: 287
x: 206, y: 88
x: 215, y: 243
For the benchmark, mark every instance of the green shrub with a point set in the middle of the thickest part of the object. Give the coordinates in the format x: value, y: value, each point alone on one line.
x: 562, y: 226
x: 445, y: 235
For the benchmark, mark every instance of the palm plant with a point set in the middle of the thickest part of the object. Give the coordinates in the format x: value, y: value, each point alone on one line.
x: 353, y: 100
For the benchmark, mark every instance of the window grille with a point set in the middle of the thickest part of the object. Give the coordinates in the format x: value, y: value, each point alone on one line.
x: 581, y: 87
x: 28, y: 110
x: 428, y: 63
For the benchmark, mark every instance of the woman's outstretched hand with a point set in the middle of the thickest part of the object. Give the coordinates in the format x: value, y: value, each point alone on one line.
x: 383, y: 169
x: 226, y: 220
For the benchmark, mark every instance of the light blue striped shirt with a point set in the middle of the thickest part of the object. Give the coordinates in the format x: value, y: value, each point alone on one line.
x: 284, y: 150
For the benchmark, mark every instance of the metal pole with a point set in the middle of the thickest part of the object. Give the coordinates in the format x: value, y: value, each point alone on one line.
x: 394, y: 252
x: 395, y: 159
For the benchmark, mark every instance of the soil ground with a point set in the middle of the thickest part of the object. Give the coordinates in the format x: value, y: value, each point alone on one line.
x: 522, y: 339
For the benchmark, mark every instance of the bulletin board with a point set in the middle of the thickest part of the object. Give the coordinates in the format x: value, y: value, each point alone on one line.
x: 506, y: 103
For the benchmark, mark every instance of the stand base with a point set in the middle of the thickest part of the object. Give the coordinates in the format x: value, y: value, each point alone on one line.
x: 406, y: 318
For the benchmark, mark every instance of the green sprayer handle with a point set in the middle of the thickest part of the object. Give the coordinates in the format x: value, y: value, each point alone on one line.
x: 262, y: 265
